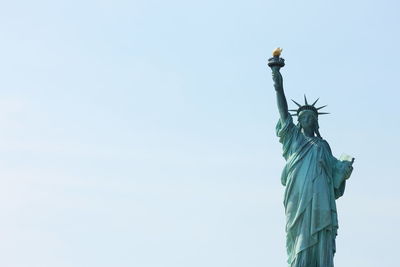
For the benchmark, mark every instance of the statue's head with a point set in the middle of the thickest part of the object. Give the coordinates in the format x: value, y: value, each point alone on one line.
x: 308, y: 116
x: 308, y: 119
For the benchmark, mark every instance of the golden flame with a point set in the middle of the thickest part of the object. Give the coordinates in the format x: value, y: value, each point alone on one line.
x: 277, y: 52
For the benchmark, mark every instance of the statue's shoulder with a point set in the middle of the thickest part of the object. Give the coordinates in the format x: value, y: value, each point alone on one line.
x: 326, y: 145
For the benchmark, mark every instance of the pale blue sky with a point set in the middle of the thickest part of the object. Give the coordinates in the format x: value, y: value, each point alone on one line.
x: 141, y: 133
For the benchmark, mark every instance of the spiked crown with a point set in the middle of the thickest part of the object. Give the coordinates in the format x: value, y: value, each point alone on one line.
x: 307, y: 106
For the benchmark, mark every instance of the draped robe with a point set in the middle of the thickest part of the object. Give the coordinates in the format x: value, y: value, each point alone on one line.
x: 314, y: 179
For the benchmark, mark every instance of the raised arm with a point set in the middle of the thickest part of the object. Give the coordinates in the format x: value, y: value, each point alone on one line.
x: 280, y: 94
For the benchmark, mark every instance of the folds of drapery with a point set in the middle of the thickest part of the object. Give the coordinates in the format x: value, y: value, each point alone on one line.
x: 314, y: 178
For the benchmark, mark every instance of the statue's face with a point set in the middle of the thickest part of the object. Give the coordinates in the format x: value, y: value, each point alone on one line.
x: 308, y: 120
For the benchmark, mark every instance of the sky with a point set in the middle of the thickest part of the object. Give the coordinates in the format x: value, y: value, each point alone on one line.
x: 142, y: 133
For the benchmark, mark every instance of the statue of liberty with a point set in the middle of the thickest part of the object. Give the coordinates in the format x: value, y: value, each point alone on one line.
x: 313, y: 178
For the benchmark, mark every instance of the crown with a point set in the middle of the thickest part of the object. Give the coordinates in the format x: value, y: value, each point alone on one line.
x: 306, y: 106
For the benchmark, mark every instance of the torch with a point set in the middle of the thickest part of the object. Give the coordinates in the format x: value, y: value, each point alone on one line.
x: 276, y: 62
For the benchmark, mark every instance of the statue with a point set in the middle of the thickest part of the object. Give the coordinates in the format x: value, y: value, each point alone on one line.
x: 313, y: 178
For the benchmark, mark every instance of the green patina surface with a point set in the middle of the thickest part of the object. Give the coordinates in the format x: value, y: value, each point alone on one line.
x: 313, y: 180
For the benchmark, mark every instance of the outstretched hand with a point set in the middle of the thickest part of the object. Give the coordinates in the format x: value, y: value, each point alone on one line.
x: 277, y: 77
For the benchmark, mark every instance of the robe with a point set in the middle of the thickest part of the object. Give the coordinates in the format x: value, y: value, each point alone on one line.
x: 313, y: 180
